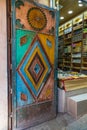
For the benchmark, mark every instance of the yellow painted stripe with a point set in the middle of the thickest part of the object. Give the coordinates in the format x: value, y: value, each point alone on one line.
x: 49, y: 50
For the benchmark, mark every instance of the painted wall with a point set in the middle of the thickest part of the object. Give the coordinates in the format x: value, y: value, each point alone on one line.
x: 3, y: 66
x: 45, y: 2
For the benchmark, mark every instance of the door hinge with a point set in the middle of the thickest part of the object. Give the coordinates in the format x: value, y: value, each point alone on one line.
x: 10, y: 14
x: 10, y: 66
x: 11, y: 115
x: 11, y: 91
x: 9, y: 41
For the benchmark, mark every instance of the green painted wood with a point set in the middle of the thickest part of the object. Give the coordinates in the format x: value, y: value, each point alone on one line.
x: 21, y: 49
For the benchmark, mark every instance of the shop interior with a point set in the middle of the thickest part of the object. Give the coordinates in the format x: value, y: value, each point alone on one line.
x: 72, y: 53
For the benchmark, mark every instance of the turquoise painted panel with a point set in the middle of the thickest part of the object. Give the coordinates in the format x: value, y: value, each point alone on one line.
x: 20, y: 46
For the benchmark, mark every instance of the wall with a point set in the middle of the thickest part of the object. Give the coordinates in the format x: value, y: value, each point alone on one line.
x: 45, y: 2
x: 3, y: 66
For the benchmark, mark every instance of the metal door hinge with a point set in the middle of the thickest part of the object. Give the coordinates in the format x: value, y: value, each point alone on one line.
x: 9, y: 41
x: 11, y: 91
x: 10, y: 66
x: 11, y: 115
x: 10, y: 14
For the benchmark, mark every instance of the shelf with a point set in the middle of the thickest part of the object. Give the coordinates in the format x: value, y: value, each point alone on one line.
x: 67, y: 61
x: 61, y: 65
x: 67, y: 38
x: 84, y: 62
x: 76, y: 57
x: 67, y: 53
x: 67, y: 67
x: 75, y: 67
x: 77, y: 28
x: 74, y: 43
x: 68, y: 43
x: 77, y: 41
x: 84, y: 68
x: 75, y: 52
x: 76, y: 62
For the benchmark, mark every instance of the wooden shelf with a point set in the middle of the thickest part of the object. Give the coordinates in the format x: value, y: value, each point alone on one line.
x: 67, y: 66
x: 76, y: 57
x: 75, y: 67
x: 73, y: 43
x: 76, y: 63
x: 84, y: 62
x: 67, y: 61
x: 77, y: 28
x: 84, y: 68
x: 77, y: 41
x: 67, y: 38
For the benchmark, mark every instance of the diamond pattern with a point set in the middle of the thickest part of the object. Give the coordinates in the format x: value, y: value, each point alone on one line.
x: 36, y: 64
x: 35, y: 68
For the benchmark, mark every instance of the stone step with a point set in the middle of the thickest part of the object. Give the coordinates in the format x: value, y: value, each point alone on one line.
x: 77, y: 105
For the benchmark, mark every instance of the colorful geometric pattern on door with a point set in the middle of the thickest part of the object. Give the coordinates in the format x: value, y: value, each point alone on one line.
x: 33, y: 63
x: 34, y: 67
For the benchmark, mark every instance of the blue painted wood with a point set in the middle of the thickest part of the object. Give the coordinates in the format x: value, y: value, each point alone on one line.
x: 14, y: 103
x: 49, y: 43
x: 56, y: 61
x: 23, y: 89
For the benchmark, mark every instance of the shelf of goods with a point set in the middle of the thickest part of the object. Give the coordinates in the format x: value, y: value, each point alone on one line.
x: 71, y: 80
x: 70, y: 84
x: 73, y: 44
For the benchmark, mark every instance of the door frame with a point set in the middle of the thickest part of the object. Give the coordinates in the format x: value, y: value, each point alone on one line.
x: 9, y: 63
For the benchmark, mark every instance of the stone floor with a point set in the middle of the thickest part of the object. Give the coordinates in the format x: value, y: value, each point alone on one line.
x: 63, y: 122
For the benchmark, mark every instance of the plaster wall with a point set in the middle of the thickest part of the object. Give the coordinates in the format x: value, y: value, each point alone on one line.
x: 3, y: 67
x: 45, y: 2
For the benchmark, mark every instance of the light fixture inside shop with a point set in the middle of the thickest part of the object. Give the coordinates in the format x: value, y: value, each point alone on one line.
x: 79, y: 1
x: 80, y: 5
x: 61, y: 17
x: 70, y: 12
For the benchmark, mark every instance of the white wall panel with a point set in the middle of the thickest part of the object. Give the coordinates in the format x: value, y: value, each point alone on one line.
x: 3, y: 66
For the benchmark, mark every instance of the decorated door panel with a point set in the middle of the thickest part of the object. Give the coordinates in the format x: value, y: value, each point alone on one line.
x: 33, y: 62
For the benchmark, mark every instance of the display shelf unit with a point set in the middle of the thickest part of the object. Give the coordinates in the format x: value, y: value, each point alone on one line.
x: 67, y: 45
x: 73, y: 44
x: 84, y: 46
x: 77, y: 40
x: 61, y: 47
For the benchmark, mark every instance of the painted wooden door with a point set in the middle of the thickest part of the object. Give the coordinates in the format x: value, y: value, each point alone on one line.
x: 33, y: 63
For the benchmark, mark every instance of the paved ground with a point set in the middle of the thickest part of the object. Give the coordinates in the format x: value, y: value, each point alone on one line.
x: 63, y: 122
